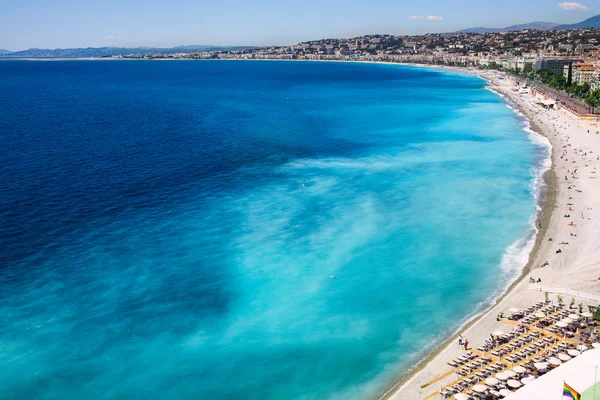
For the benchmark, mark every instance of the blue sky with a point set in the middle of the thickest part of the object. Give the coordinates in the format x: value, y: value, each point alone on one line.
x: 166, y: 23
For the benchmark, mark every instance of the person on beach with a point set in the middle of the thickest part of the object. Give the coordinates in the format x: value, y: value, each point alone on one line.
x: 460, y: 340
x: 466, y: 344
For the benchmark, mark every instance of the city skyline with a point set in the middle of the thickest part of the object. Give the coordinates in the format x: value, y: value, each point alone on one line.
x: 34, y: 23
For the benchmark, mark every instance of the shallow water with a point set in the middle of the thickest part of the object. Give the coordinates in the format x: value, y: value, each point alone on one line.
x: 257, y: 230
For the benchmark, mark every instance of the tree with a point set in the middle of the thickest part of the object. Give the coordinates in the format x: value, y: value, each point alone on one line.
x: 592, y: 101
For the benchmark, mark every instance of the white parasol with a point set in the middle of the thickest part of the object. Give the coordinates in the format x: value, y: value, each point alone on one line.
x: 502, y: 376
x: 528, y: 379
x: 542, y: 365
x: 492, y: 381
x: 519, y: 369
x: 461, y: 396
x: 573, y: 353
x: 505, y: 392
x: 563, y: 357
x: 540, y: 314
x: 510, y: 374
x: 587, y: 314
x: 574, y: 317
x: 513, y: 310
x: 561, y: 324
x: 480, y: 388
x: 554, y: 361
x: 514, y: 384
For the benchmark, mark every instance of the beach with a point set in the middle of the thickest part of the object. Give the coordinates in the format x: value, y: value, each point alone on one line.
x: 565, y: 252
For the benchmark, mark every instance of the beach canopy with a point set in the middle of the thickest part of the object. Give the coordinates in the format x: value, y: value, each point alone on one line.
x: 574, y: 317
x: 562, y: 324
x: 502, y: 376
x: 541, y: 365
x: 514, y: 384
x: 563, y: 357
x: 527, y: 379
x: 574, y: 353
x: 510, y: 374
x: 540, y: 314
x: 554, y: 361
x: 519, y: 370
x: 587, y: 314
x: 462, y: 396
x: 492, y: 381
x: 515, y: 310
x: 505, y: 392
x: 480, y: 388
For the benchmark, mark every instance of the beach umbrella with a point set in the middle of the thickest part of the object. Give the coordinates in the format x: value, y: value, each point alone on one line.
x: 505, y: 392
x: 461, y: 396
x: 492, y: 381
x: 502, y: 376
x: 480, y: 388
x: 510, y: 373
x: 498, y: 333
x: 519, y: 370
x: 567, y: 321
x: 574, y: 317
x: 595, y: 345
x: 562, y: 324
x: 554, y: 361
x: 563, y: 357
x: 587, y: 314
x: 528, y: 379
x: 515, y: 310
x: 540, y: 314
x: 582, y: 347
x: 514, y: 384
x: 542, y: 365
x: 574, y: 353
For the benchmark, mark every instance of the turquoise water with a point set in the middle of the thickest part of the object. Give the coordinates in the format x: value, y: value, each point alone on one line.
x: 256, y: 230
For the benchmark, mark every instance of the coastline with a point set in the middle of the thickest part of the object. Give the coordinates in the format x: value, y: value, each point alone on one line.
x: 517, y: 294
x: 546, y: 203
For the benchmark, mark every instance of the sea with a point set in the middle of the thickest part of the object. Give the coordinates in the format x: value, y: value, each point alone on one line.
x: 249, y: 229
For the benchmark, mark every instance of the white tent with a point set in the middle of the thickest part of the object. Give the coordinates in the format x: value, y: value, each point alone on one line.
x: 577, y: 373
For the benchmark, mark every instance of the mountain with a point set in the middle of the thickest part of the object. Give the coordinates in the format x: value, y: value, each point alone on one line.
x: 3, y: 52
x: 114, y: 51
x: 531, y: 25
x: 593, y: 22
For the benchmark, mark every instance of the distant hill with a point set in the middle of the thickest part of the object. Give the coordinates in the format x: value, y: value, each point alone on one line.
x: 114, y: 51
x: 2, y: 52
x: 531, y: 25
x: 593, y: 22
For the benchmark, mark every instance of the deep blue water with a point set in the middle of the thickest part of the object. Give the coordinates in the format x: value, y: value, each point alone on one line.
x: 255, y: 230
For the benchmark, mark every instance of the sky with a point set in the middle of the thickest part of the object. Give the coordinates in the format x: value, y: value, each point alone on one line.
x: 168, y: 23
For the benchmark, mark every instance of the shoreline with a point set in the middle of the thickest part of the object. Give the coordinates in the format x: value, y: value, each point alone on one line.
x: 517, y: 293
x: 546, y: 203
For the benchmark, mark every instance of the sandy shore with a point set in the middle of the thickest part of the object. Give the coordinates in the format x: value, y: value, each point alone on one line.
x: 571, y: 189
